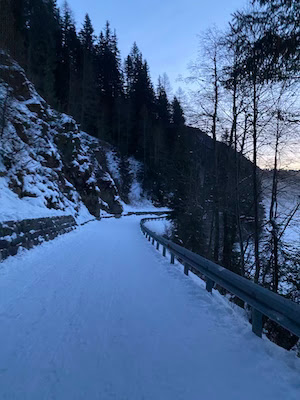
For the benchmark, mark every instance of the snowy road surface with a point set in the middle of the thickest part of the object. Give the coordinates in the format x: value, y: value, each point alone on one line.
x: 99, y: 314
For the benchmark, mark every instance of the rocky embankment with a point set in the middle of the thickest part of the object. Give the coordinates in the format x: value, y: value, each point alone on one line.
x: 48, y: 166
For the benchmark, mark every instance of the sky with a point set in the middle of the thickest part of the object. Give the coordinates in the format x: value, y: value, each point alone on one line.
x: 165, y: 30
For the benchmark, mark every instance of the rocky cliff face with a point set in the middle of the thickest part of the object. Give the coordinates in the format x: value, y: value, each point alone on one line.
x: 47, y: 165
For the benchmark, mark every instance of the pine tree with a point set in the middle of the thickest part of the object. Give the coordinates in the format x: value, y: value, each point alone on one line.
x: 163, y: 106
x: 88, y: 77
x: 86, y: 35
x: 141, y: 99
x: 68, y: 73
x: 177, y: 118
x: 110, y: 85
x: 12, y: 28
x: 109, y: 63
x: 281, y: 39
x: 42, y: 40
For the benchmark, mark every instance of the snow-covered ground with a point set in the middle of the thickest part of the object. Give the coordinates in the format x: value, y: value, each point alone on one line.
x: 288, y: 199
x: 161, y: 227
x: 143, y: 205
x: 137, y: 199
x: 14, y: 208
x: 100, y: 314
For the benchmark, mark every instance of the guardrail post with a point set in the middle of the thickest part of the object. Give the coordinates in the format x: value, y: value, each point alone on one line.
x: 149, y: 237
x: 209, y: 285
x: 153, y: 241
x: 164, y: 251
x: 157, y: 246
x: 186, y: 269
x: 172, y: 258
x: 257, y: 322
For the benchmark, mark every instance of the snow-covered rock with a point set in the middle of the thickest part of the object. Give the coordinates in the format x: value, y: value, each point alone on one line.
x: 48, y: 166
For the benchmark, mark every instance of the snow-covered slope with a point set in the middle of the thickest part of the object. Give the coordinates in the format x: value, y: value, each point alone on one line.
x: 162, y: 227
x: 288, y: 200
x: 47, y: 165
x: 288, y: 225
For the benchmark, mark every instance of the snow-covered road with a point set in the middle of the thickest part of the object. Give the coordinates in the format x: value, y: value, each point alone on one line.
x: 99, y: 314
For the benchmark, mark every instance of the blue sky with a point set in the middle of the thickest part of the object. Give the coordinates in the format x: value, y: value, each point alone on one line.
x: 165, y: 30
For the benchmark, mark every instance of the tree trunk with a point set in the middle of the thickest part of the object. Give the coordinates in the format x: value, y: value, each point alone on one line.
x: 273, y: 214
x: 255, y: 185
x: 216, y: 189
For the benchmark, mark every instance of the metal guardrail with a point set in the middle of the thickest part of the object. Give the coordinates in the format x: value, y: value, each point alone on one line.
x: 262, y: 301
